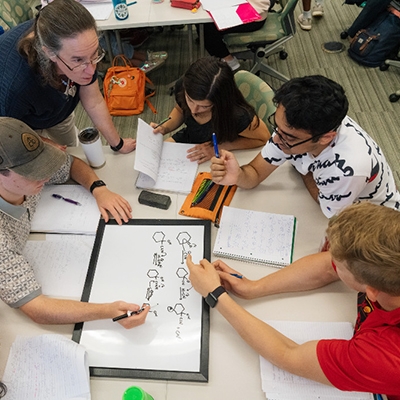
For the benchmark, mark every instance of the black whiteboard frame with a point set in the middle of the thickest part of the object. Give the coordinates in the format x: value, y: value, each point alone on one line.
x: 198, y: 376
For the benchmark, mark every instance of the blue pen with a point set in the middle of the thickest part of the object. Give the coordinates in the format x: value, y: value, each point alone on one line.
x: 237, y: 276
x: 131, y: 4
x: 214, y: 138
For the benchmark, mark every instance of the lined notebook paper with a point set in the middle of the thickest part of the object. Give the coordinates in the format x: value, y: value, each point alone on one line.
x: 255, y: 236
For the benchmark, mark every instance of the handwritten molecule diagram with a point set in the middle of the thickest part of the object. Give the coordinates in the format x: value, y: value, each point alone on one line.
x: 183, y: 274
x: 158, y: 258
x: 184, y: 239
x: 179, y: 309
x: 156, y: 282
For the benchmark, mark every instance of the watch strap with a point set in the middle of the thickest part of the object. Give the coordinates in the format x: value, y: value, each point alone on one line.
x: 212, y: 297
x: 96, y: 184
x: 119, y: 146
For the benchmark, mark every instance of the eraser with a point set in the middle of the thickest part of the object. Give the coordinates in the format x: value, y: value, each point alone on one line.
x: 154, y: 200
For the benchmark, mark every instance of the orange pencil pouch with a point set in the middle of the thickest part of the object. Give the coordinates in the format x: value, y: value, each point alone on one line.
x: 207, y: 204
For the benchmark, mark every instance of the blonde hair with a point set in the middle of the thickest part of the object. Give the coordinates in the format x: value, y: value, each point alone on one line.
x: 367, y: 238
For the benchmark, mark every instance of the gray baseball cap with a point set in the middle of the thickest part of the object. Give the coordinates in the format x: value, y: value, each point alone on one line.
x: 24, y: 152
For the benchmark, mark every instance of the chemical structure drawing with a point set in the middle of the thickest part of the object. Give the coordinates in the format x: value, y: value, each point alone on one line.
x: 184, y: 239
x: 179, y: 309
x: 156, y: 282
x: 159, y: 237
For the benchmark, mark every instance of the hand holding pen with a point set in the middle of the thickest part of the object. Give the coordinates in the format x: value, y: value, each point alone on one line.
x: 156, y: 126
x: 130, y: 319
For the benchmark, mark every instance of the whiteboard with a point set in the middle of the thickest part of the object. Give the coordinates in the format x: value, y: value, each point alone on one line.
x: 144, y: 261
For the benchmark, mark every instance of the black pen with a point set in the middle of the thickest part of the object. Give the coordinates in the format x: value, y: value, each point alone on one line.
x: 128, y: 314
x: 162, y: 122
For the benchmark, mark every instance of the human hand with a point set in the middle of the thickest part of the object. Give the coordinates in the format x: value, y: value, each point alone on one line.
x: 121, y: 308
x: 129, y: 146
x: 204, y: 277
x: 231, y: 281
x: 158, y: 128
x: 113, y: 203
x: 225, y: 170
x: 201, y: 152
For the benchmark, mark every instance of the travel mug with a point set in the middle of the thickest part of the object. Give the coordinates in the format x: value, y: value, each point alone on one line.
x: 136, y: 393
x: 120, y: 9
x: 91, y: 143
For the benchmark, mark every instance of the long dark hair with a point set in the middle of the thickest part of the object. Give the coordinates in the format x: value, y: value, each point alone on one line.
x: 61, y: 19
x: 210, y: 79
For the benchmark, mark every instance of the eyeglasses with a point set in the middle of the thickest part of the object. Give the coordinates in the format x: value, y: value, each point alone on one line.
x: 84, y: 65
x: 271, y: 120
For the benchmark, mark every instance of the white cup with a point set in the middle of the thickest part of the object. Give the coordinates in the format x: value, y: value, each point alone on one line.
x: 90, y: 141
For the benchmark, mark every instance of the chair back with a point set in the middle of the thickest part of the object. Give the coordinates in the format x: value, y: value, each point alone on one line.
x: 257, y: 93
x: 14, y: 12
x: 287, y: 16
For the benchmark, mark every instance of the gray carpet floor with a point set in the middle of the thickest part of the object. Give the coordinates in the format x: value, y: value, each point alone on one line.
x: 367, y: 88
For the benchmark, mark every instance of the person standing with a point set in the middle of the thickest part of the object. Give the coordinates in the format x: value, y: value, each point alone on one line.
x: 305, y: 18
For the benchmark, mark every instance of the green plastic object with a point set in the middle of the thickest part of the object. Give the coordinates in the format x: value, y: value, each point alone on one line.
x: 136, y: 393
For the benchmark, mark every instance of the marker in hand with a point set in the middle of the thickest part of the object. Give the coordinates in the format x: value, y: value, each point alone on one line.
x: 215, y: 143
x: 128, y: 314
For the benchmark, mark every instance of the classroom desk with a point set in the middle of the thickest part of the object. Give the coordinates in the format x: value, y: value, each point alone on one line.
x: 234, y: 371
x: 145, y: 13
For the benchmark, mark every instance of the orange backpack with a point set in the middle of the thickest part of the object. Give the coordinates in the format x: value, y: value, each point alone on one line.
x: 125, y: 87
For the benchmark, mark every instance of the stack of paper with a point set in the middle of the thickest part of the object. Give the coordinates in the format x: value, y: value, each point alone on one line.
x: 229, y: 13
x: 54, y: 215
x: 281, y: 385
x: 47, y: 367
x: 60, y: 263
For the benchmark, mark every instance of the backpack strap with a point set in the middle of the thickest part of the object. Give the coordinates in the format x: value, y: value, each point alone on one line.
x: 151, y: 89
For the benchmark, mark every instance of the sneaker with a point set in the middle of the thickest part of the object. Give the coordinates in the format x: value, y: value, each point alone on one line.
x: 318, y: 10
x: 149, y: 65
x: 305, y: 23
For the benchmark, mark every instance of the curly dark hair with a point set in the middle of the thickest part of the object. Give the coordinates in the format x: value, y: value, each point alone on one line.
x: 313, y: 103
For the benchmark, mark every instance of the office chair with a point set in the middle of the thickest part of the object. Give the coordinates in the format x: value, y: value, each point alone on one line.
x: 14, y: 12
x: 279, y: 27
x: 257, y: 93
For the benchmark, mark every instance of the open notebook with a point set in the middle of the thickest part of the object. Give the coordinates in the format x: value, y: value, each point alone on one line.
x: 256, y: 236
x: 162, y: 165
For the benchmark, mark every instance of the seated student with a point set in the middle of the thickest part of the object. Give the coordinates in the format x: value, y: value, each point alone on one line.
x: 208, y: 101
x: 214, y: 38
x: 365, y: 255
x: 339, y: 162
x: 26, y: 165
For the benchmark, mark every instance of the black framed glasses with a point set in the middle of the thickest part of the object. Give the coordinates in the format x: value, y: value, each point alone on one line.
x: 271, y: 120
x: 84, y: 65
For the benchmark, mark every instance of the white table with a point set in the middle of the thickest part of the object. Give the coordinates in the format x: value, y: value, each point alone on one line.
x: 234, y: 371
x: 145, y: 13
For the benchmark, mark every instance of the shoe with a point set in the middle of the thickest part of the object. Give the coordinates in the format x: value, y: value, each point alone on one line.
x: 149, y: 66
x: 156, y: 55
x: 318, y: 10
x: 305, y: 23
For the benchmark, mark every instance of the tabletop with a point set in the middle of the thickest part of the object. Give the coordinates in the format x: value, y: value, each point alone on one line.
x: 234, y: 371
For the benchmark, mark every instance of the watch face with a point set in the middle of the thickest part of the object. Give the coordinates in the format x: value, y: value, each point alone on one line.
x: 211, y: 300
x: 121, y: 11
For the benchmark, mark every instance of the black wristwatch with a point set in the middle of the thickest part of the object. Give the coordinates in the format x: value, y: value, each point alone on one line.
x: 96, y: 184
x: 119, y: 146
x: 212, y: 297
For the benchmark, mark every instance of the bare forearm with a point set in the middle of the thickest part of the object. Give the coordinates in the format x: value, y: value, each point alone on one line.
x: 43, y: 310
x: 176, y: 120
x: 307, y: 273
x: 242, y: 143
x: 82, y: 173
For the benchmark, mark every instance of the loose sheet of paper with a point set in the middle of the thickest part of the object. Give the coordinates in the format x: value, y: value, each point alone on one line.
x: 162, y: 165
x: 56, y: 215
x: 47, y: 367
x: 60, y: 263
x: 101, y: 11
x: 281, y: 385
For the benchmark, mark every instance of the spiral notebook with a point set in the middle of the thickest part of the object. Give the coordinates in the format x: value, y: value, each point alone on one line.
x: 255, y: 236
